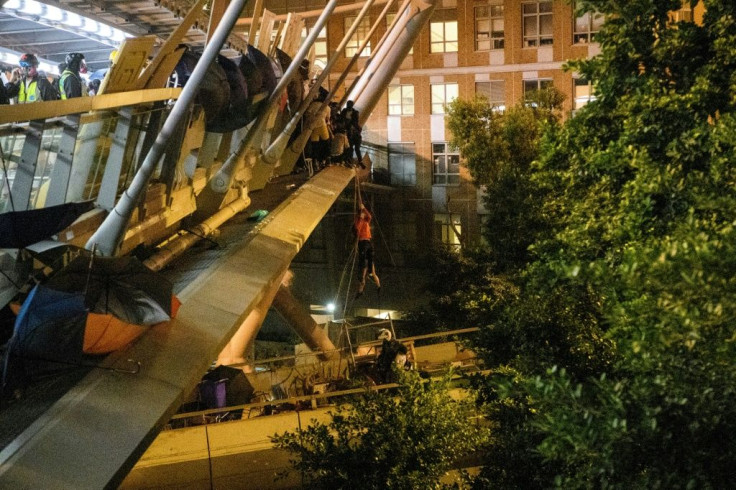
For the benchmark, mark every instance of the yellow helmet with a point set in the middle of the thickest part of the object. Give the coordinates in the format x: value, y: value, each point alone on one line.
x: 113, y: 55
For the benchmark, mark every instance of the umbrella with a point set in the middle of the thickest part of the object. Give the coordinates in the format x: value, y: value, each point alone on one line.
x: 18, y: 229
x: 98, y: 74
x: 94, y: 305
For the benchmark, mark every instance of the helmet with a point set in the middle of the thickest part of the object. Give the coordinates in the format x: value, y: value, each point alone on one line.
x: 75, y: 62
x: 113, y: 55
x: 28, y: 60
x: 384, y: 334
x: 73, y: 58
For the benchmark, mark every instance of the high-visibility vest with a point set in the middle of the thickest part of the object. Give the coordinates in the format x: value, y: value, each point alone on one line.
x: 31, y: 95
x: 66, y: 74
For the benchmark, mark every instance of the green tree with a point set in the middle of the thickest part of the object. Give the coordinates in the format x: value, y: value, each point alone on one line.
x: 640, y: 196
x: 498, y: 148
x: 407, y: 438
x: 622, y: 332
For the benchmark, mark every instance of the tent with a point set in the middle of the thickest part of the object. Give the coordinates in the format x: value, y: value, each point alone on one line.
x: 95, y: 305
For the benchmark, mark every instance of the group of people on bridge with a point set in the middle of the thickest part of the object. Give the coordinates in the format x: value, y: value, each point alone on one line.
x: 337, y: 134
x: 26, y: 83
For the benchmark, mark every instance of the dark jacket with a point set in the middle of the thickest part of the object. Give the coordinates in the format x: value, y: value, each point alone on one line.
x: 40, y: 89
x: 70, y: 85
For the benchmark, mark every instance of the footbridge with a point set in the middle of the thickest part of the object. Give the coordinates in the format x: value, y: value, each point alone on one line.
x: 191, y: 117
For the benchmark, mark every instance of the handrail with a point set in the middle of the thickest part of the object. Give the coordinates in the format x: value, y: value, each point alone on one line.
x: 304, y: 398
x: 270, y: 360
x: 56, y: 108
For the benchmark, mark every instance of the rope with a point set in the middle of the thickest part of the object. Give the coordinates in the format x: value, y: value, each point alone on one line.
x: 7, y: 179
x: 350, y: 281
x: 351, y: 258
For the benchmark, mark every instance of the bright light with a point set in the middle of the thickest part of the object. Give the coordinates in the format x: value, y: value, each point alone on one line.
x: 54, y: 14
x: 48, y: 68
x: 55, y: 17
x: 330, y: 307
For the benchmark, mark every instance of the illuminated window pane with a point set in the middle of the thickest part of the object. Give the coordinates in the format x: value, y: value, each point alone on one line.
x: 401, y: 100
x: 443, y: 37
x: 360, y: 35
x: 447, y: 229
x: 582, y: 93
x: 442, y: 94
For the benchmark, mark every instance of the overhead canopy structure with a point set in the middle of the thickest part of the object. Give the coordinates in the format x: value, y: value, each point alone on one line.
x: 51, y: 29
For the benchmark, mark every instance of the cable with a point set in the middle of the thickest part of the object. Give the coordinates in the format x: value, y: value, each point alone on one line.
x: 351, y: 258
x: 7, y: 179
x: 336, y: 299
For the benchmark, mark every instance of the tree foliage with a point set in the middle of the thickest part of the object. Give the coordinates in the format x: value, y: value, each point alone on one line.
x: 623, y: 332
x: 403, y: 439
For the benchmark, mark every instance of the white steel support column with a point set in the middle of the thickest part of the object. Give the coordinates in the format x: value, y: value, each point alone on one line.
x: 108, y: 236
x: 390, y: 60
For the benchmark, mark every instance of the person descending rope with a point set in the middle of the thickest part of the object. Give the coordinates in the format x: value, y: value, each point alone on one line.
x: 365, y: 249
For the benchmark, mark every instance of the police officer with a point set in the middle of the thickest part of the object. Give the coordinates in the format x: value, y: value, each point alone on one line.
x: 27, y: 84
x: 71, y: 84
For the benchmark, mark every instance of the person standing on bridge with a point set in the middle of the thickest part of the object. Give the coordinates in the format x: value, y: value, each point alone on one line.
x: 351, y: 118
x: 71, y: 84
x: 28, y: 84
x: 365, y: 249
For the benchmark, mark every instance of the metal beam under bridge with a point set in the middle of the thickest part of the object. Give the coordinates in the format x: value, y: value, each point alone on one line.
x: 93, y: 436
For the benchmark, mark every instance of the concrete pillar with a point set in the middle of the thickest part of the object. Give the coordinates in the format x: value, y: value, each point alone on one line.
x: 303, y: 323
x: 240, y: 348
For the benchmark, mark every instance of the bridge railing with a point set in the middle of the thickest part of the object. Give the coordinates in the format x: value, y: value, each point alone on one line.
x: 57, y: 151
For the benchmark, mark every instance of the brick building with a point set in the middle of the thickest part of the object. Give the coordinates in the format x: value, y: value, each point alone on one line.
x: 499, y: 49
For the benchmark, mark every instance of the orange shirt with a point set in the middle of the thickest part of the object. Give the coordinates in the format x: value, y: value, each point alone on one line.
x: 363, y: 225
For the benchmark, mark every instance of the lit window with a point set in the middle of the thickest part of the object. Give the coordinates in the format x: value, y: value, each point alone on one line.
x: 401, y: 100
x: 494, y: 91
x: 319, y: 46
x: 402, y: 164
x: 446, y: 160
x: 586, y: 27
x: 443, y: 37
x: 685, y: 14
x: 442, y: 94
x: 583, y: 93
x: 448, y: 229
x: 488, y: 27
x: 537, y: 23
x: 361, y: 34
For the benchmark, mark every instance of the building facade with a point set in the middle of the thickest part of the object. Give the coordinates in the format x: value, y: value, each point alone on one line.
x: 499, y: 49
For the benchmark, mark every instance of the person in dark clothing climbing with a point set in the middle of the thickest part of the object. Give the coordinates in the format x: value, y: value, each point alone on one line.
x: 28, y: 84
x: 392, y: 352
x: 351, y: 118
x: 365, y: 249
x: 71, y: 84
